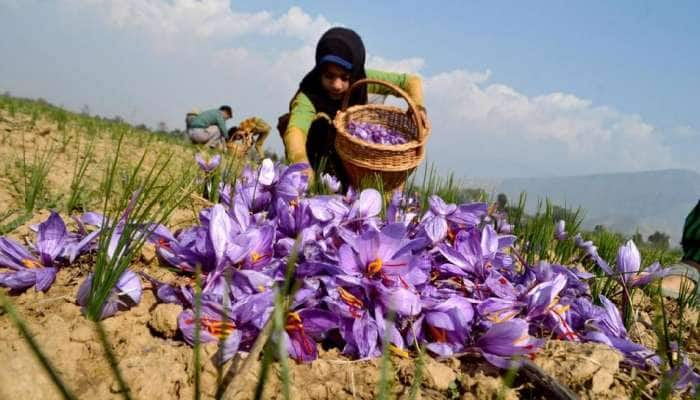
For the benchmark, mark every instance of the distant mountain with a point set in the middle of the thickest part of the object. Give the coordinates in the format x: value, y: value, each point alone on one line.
x: 624, y: 202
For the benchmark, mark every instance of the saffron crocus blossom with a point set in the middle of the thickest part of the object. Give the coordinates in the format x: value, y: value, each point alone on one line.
x: 684, y: 376
x: 628, y: 263
x: 208, y: 165
x: 28, y: 269
x: 401, y: 209
x: 506, y: 340
x: 330, y: 182
x: 435, y: 220
x: 382, y: 255
x: 560, y: 230
x: 125, y: 294
x: 606, y: 326
x: 303, y: 328
x: 216, y: 324
x: 445, y: 325
x: 447, y: 277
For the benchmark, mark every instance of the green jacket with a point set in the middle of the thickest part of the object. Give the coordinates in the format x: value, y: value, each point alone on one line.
x: 691, y: 235
x: 303, y: 112
x: 208, y: 118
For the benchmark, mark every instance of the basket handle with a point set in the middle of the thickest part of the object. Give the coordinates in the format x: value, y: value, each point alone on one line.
x: 411, y: 105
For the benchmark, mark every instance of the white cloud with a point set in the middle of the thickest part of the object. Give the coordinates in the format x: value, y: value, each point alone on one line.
x: 585, y: 138
x: 408, y: 65
x: 174, y: 25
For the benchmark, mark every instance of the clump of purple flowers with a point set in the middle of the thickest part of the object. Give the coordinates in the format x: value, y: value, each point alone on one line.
x: 449, y: 278
x: 22, y: 268
x: 376, y: 133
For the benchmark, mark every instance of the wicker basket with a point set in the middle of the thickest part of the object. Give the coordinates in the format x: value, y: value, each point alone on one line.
x: 393, y: 163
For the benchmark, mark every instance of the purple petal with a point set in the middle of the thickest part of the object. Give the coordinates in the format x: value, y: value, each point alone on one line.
x: 489, y: 241
x: 507, y: 339
x: 18, y: 280
x: 267, y: 172
x: 365, y: 334
x: 15, y: 256
x: 439, y: 320
x: 129, y: 285
x: 219, y: 230
x: 369, y: 203
x: 51, y: 238
x: 439, y: 207
x: 229, y: 347
x: 44, y: 278
x: 318, y: 322
x: 500, y: 286
x: 402, y: 301
x: 436, y: 228
x: 628, y: 259
x: 559, y: 230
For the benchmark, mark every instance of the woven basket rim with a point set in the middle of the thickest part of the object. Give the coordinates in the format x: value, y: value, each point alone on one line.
x: 343, y: 117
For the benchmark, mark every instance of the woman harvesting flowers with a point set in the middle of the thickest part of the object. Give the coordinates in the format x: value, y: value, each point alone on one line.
x: 308, y: 134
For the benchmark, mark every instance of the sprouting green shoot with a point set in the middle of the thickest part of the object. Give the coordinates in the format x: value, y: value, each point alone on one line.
x: 36, y: 349
x: 144, y: 204
x: 76, y: 197
x: 34, y: 176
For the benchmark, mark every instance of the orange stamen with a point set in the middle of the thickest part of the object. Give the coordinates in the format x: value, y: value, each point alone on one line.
x: 255, y: 256
x: 219, y: 329
x: 349, y: 299
x: 438, y: 334
x: 451, y: 235
x: 30, y: 263
x: 374, y: 267
x: 293, y: 322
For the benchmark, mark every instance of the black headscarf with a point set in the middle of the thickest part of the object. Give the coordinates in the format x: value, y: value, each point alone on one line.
x: 347, y: 45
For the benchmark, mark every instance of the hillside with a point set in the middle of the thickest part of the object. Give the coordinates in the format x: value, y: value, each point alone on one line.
x: 625, y: 202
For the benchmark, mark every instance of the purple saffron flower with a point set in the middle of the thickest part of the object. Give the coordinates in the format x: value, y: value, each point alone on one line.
x: 684, y: 376
x: 382, y: 255
x: 628, y: 263
x: 208, y: 165
x: 559, y: 230
x: 435, y: 220
x: 28, y: 270
x: 216, y: 323
x: 51, y: 239
x: 505, y: 340
x: 125, y: 294
x: 303, y: 328
x: 331, y: 182
x: 447, y: 325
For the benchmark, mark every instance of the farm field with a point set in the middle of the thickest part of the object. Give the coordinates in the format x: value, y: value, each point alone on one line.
x: 163, y: 314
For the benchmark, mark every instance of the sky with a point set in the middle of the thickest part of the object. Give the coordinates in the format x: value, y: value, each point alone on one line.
x: 513, y: 89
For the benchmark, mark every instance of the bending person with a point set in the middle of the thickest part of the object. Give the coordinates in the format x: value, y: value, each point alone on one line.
x: 309, y: 135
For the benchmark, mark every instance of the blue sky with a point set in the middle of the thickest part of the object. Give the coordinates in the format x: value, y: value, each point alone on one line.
x: 546, y: 88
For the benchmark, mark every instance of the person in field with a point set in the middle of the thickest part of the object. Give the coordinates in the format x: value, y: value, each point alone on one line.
x: 307, y: 130
x: 209, y: 127
x: 251, y: 132
x: 687, y: 272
